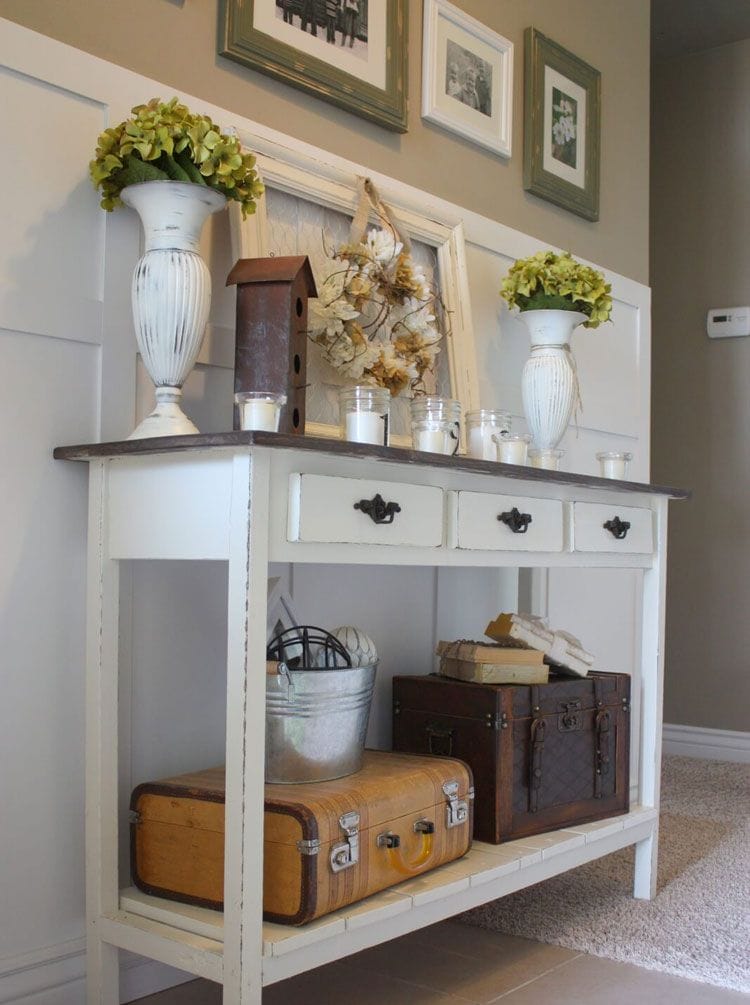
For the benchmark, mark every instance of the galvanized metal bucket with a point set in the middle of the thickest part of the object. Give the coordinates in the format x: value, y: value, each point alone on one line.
x: 316, y: 721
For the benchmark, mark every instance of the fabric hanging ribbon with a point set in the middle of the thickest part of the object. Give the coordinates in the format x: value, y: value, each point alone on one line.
x: 369, y: 201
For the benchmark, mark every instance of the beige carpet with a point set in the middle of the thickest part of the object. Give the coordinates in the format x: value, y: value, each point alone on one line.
x: 697, y: 927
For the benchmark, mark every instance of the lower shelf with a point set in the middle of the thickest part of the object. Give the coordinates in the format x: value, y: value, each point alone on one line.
x: 485, y: 873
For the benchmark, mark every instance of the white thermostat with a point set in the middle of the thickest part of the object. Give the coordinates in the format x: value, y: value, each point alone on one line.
x: 728, y: 322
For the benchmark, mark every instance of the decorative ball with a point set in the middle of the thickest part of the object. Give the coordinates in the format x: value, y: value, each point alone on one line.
x: 360, y: 646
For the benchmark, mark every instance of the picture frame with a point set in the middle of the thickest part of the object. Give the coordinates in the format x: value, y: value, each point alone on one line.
x: 367, y: 76
x: 467, y: 77
x: 334, y: 184
x: 562, y: 124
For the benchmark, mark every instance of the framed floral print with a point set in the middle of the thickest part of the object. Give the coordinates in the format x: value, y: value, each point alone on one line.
x: 352, y: 53
x: 562, y: 126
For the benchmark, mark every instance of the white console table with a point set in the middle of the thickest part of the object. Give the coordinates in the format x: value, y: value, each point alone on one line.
x: 251, y: 498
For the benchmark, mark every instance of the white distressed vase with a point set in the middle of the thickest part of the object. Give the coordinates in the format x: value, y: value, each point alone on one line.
x: 549, y: 382
x: 171, y: 293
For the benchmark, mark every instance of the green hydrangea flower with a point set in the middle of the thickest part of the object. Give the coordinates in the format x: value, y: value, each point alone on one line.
x: 552, y: 281
x: 167, y: 141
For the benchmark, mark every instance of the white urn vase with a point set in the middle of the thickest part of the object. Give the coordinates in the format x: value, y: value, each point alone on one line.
x: 171, y: 293
x: 549, y: 384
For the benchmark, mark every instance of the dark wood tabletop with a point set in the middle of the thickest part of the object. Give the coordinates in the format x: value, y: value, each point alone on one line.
x: 345, y: 448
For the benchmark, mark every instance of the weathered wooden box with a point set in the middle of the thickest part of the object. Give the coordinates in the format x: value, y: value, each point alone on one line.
x: 543, y: 755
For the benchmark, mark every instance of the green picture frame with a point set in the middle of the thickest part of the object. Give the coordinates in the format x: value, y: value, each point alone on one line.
x: 368, y: 79
x: 562, y: 126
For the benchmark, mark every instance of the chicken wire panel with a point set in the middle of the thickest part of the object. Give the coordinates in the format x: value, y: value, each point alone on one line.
x: 299, y: 227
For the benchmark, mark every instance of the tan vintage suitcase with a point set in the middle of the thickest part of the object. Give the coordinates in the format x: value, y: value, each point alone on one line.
x: 327, y: 844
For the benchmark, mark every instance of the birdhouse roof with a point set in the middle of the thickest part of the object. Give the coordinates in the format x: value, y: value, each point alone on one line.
x: 278, y: 269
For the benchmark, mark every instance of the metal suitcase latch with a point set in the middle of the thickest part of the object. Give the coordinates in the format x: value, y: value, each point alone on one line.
x: 457, y: 810
x: 346, y: 853
x: 570, y: 718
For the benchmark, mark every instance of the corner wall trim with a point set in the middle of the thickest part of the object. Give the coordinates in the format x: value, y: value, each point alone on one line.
x: 708, y: 744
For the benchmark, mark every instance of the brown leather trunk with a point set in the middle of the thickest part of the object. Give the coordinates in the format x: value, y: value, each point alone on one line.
x: 326, y: 844
x: 543, y: 756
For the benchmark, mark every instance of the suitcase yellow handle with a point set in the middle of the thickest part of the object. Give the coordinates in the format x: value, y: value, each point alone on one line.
x: 392, y: 843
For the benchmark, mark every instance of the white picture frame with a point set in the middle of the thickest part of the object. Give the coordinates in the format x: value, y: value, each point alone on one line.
x: 330, y: 185
x: 467, y: 77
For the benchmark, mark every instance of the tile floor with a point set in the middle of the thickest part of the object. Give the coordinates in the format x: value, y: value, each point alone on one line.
x: 455, y: 963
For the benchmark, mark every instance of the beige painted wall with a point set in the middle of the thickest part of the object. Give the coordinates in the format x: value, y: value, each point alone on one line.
x: 174, y: 41
x: 701, y: 398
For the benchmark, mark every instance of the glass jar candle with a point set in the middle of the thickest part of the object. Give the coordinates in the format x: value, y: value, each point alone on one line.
x: 549, y: 459
x: 512, y: 449
x: 260, y: 409
x: 364, y: 414
x: 436, y: 424
x: 614, y: 464
x: 483, y: 427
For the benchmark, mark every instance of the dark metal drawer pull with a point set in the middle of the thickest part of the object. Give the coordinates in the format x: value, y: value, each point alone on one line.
x: 378, y: 510
x: 617, y: 527
x: 518, y: 522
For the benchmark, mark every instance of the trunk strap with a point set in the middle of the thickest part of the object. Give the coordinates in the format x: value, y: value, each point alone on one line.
x: 536, y: 749
x: 601, y: 730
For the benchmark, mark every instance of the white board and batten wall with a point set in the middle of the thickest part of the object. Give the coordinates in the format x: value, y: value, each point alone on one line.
x: 70, y: 374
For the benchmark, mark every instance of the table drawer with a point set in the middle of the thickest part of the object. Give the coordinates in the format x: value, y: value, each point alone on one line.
x: 326, y: 509
x: 480, y: 526
x: 590, y: 533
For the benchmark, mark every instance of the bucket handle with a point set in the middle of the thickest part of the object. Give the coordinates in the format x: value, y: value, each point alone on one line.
x: 392, y: 844
x: 284, y: 672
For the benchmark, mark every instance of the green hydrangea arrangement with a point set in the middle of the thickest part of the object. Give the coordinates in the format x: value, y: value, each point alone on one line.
x: 552, y: 281
x: 167, y: 141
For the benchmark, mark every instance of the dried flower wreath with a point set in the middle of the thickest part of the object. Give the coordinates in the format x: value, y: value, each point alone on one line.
x: 377, y: 319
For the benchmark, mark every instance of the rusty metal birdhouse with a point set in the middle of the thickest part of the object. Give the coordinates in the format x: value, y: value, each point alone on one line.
x: 271, y: 335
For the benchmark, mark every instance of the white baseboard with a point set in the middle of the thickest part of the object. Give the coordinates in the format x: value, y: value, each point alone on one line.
x: 57, y: 976
x: 708, y: 744
x: 44, y: 975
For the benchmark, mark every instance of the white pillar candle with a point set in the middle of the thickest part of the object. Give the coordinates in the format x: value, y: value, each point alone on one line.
x: 481, y: 442
x: 548, y: 459
x: 434, y: 441
x: 614, y: 464
x: 365, y: 427
x: 260, y: 415
x: 613, y: 467
x: 512, y: 451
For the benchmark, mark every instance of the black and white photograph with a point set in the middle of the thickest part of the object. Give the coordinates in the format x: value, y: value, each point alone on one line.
x: 352, y: 53
x: 467, y: 77
x: 338, y: 22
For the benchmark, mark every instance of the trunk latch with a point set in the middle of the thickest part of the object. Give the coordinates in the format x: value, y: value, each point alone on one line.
x: 457, y: 810
x: 570, y: 718
x: 346, y: 853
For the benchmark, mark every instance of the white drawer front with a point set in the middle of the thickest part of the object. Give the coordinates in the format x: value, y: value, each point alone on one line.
x: 323, y: 508
x: 480, y: 526
x: 590, y: 534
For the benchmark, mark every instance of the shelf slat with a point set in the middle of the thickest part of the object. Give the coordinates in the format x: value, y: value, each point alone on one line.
x: 485, y: 873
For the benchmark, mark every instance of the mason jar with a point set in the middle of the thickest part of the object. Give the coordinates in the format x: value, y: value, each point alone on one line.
x: 364, y: 414
x: 512, y: 448
x: 436, y: 424
x: 483, y: 429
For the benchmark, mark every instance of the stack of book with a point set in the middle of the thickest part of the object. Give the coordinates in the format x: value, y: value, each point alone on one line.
x: 561, y: 648
x: 490, y: 663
